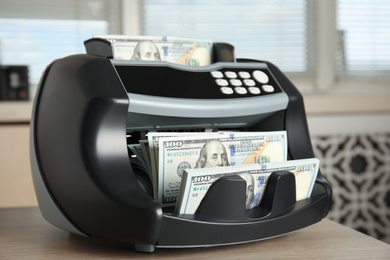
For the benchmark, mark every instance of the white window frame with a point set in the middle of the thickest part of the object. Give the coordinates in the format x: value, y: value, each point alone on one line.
x: 324, y: 90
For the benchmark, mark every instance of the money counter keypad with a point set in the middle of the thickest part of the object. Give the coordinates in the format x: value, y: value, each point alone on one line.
x: 242, y: 82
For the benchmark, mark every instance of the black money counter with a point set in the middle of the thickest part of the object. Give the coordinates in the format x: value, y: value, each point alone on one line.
x: 89, y: 107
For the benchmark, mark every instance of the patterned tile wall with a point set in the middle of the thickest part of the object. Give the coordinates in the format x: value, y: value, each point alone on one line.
x: 357, y: 166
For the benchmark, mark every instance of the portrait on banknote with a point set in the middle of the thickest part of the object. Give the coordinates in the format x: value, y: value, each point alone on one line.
x: 146, y: 50
x: 250, y: 188
x: 212, y: 154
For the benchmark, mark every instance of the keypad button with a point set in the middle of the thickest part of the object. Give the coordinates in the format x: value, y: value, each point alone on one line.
x: 260, y: 76
x: 222, y: 82
x: 268, y: 88
x: 244, y: 74
x: 249, y: 82
x: 240, y: 90
x: 236, y: 82
x: 217, y: 74
x: 254, y: 90
x: 231, y: 74
x: 227, y: 90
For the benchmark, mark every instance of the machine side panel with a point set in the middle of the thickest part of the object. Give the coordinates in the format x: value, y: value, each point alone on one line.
x: 47, y: 206
x: 299, y: 143
x: 80, y: 146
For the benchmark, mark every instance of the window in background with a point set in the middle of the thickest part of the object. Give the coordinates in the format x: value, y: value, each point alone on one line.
x: 35, y: 33
x: 364, y: 37
x: 38, y: 42
x: 277, y: 31
x: 318, y: 43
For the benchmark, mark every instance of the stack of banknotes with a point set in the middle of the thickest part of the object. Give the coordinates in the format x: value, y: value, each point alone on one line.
x: 182, y: 166
x: 183, y: 51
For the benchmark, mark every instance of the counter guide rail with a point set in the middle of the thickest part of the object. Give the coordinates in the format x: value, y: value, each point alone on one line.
x: 87, y: 109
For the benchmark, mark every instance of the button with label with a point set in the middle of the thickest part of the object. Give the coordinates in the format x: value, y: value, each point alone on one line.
x: 268, y: 88
x: 244, y: 74
x: 222, y: 82
x: 249, y: 82
x: 236, y: 82
x: 227, y: 90
x: 240, y: 90
x: 217, y: 74
x: 254, y: 90
x: 260, y: 76
x: 231, y: 74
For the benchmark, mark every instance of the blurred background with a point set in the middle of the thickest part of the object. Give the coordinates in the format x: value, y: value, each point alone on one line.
x: 337, y: 52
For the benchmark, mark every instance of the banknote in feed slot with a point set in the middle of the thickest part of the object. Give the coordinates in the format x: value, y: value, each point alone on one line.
x: 211, y: 150
x: 196, y: 182
x: 183, y: 51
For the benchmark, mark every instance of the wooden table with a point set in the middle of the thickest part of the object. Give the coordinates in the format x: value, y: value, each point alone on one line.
x: 24, y: 234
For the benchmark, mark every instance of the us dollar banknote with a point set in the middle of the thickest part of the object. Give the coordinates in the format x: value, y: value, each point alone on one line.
x: 184, y: 51
x: 209, y: 150
x: 196, y: 182
x: 153, y: 141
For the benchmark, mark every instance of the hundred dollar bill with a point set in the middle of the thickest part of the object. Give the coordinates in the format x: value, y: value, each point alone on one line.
x: 153, y: 141
x: 304, y: 170
x: 184, y: 51
x: 196, y: 182
x: 202, y: 151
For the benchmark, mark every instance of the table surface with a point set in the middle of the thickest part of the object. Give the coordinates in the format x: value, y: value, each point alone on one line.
x: 15, y: 111
x: 24, y: 234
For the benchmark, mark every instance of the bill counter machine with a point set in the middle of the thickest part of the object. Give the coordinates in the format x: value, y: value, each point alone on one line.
x: 87, y: 109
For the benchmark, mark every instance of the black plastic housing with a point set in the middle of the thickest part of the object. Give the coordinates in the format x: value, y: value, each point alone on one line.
x: 79, y: 140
